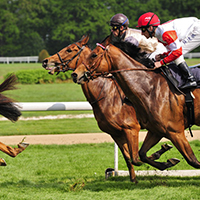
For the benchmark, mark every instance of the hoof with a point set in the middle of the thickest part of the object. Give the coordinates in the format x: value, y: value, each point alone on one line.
x: 134, y: 181
x: 139, y: 163
x: 23, y: 145
x: 173, y: 161
x: 109, y: 172
x: 166, y: 147
x: 2, y: 162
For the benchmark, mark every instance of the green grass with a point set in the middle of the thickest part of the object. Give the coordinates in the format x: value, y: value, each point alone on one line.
x: 49, y: 172
x: 193, y: 61
x: 57, y: 92
x: 43, y: 127
x: 7, y: 68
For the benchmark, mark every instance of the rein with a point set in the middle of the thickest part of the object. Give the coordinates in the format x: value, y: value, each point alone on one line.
x: 98, y: 98
x: 65, y: 63
x: 128, y: 69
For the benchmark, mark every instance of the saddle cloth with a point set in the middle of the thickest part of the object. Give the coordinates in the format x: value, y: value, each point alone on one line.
x: 179, y: 77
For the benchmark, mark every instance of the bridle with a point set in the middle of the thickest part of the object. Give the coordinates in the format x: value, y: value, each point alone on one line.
x: 64, y: 63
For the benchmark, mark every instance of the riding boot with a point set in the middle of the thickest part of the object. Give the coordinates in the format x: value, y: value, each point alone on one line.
x: 190, y: 80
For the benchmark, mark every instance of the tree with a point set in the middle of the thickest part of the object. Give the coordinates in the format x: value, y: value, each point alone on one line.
x: 28, y: 26
x: 9, y: 32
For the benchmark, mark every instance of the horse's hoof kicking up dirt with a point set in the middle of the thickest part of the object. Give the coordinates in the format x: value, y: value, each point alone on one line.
x: 2, y: 162
x: 173, y: 161
x: 23, y: 145
x: 166, y: 146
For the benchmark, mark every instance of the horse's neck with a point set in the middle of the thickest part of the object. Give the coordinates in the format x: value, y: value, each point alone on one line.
x: 101, y: 88
x: 138, y: 85
x: 94, y: 89
x: 134, y: 72
x: 83, y: 55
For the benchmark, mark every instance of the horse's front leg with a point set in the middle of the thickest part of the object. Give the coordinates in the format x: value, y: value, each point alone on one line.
x: 132, y: 140
x: 132, y: 137
x: 164, y: 148
x: 2, y: 162
x: 183, y: 146
x: 151, y: 140
x: 121, y: 141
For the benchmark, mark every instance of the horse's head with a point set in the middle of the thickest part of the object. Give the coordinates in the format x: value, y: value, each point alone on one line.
x: 67, y: 58
x: 96, y: 62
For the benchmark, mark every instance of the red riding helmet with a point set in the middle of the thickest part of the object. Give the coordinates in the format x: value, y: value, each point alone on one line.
x: 148, y: 19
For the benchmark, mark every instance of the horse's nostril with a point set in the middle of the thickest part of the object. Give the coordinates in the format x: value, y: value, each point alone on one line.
x: 44, y: 63
x: 74, y: 75
x: 87, y: 74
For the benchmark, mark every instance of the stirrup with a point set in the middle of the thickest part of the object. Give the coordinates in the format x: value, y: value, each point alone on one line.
x: 188, y: 85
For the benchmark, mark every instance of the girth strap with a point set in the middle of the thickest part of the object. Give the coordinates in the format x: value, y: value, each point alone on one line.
x: 190, y: 110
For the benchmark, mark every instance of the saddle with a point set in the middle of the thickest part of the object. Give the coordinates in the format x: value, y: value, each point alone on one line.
x: 173, y: 75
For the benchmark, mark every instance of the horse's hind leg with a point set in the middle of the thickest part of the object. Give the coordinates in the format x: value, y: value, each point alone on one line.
x: 179, y: 140
x: 151, y: 140
x: 13, y: 152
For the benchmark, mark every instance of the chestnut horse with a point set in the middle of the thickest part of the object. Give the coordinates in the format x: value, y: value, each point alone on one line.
x: 160, y: 108
x: 115, y: 115
x: 11, y: 112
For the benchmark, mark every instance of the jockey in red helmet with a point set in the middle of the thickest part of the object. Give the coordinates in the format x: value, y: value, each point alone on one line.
x: 179, y: 36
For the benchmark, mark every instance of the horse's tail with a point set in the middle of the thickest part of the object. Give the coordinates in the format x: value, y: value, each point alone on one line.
x: 7, y: 108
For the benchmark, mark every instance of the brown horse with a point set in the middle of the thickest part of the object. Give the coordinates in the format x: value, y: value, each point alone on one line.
x: 160, y: 108
x: 11, y: 112
x: 114, y: 113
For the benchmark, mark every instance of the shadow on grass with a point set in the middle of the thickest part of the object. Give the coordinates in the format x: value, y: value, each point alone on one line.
x: 100, y: 184
x: 123, y: 183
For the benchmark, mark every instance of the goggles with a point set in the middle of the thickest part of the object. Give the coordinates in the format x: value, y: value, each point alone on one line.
x: 114, y: 28
x: 143, y: 29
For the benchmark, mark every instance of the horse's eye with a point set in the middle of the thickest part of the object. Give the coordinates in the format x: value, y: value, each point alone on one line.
x: 94, y: 55
x: 69, y: 50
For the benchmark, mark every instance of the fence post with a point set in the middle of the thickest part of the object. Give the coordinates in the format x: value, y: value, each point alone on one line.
x: 116, y: 157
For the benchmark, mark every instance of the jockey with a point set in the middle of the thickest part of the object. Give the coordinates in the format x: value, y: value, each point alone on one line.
x: 179, y: 36
x: 121, y: 32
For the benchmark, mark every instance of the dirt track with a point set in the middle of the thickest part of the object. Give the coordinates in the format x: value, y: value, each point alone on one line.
x: 75, y: 138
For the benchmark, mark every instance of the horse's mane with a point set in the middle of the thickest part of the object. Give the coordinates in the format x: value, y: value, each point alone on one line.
x: 105, y: 39
x: 134, y: 52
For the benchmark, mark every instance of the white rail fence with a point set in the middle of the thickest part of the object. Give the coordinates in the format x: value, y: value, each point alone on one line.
x: 53, y: 106
x: 20, y: 59
x: 29, y: 59
x: 192, y: 55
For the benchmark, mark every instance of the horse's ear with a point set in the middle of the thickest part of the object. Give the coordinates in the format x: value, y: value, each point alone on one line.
x: 106, y: 41
x: 84, y: 39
